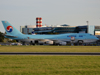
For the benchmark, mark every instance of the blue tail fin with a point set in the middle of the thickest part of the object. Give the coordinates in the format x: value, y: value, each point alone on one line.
x: 10, y: 30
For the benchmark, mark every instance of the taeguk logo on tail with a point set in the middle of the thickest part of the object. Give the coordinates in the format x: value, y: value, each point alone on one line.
x: 9, y: 28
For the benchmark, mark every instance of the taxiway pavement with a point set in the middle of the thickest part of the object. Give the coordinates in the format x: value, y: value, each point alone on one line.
x: 48, y: 53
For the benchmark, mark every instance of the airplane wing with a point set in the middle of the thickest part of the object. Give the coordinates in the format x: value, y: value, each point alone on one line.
x: 53, y: 41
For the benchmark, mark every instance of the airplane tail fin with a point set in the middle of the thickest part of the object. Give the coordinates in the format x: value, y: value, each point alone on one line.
x: 10, y: 30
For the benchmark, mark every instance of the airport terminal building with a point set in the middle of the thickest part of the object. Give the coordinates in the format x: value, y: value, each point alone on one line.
x: 59, y: 29
x: 29, y: 29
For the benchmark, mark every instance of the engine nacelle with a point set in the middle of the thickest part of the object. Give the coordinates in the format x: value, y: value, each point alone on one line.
x: 62, y: 43
x: 32, y: 41
x: 49, y: 42
x: 41, y: 42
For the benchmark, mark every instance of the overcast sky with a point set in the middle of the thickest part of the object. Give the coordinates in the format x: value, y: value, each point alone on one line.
x: 53, y: 12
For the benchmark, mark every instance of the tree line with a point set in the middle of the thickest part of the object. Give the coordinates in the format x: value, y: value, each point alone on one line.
x: 6, y: 39
x: 1, y: 37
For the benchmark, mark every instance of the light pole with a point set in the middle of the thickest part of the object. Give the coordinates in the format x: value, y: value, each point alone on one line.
x: 87, y: 25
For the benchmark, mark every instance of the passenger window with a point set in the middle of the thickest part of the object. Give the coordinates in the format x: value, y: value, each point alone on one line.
x: 80, y: 35
x: 68, y: 36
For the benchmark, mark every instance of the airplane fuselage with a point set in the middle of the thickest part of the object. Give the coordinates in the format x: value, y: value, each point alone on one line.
x: 86, y: 38
x: 13, y: 33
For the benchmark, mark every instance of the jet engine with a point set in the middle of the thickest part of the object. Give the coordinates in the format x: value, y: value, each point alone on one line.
x: 32, y: 42
x: 62, y: 43
x: 41, y: 42
x: 49, y: 42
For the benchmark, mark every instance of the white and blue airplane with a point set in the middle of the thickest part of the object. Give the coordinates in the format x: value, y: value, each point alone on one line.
x: 62, y: 39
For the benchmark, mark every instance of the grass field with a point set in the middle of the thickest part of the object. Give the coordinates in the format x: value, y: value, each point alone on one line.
x: 49, y: 48
x: 49, y: 65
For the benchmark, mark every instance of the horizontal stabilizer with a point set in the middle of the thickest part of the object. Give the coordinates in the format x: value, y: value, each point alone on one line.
x: 10, y: 36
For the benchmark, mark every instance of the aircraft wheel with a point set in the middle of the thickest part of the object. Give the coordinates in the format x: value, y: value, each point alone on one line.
x: 36, y: 42
x: 54, y: 43
x: 80, y: 41
x: 23, y: 43
x: 31, y: 43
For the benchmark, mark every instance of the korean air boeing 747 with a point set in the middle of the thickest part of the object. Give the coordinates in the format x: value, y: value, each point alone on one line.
x: 13, y: 33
